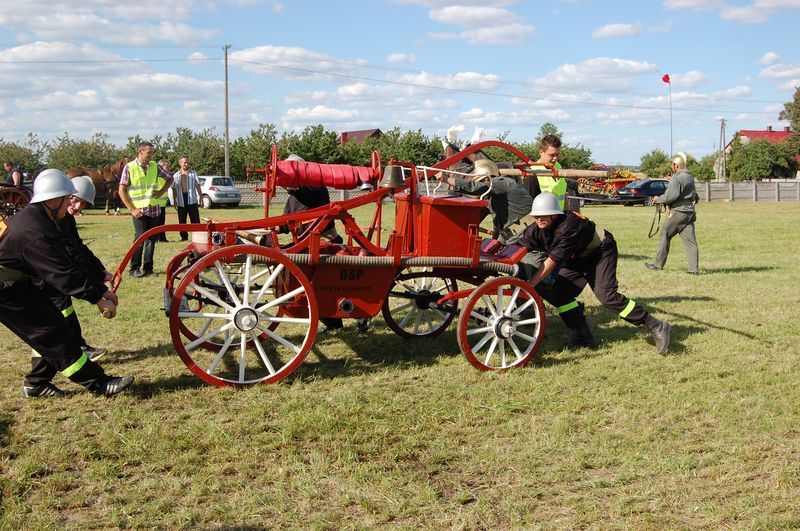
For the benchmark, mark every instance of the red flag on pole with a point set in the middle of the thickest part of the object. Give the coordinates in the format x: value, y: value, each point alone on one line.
x: 665, y: 79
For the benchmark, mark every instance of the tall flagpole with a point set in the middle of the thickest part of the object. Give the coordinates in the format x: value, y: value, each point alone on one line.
x: 670, y: 120
x: 665, y: 78
x: 227, y: 138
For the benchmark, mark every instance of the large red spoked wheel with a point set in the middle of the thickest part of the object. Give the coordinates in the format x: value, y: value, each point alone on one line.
x: 225, y: 311
x: 502, y: 324
x: 410, y: 309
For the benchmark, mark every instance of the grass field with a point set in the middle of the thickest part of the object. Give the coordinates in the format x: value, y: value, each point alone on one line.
x: 377, y: 431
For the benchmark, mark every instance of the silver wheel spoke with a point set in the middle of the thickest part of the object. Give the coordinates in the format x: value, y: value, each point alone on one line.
x: 489, y: 335
x: 219, y: 355
x: 247, y: 265
x: 526, y: 337
x: 262, y: 353
x: 227, y: 282
x: 242, y: 357
x: 205, y: 314
x: 408, y: 316
x: 212, y: 296
x: 490, y: 352
x: 522, y: 308
x: 281, y: 299
x: 511, y: 302
x: 202, y: 339
x: 403, y: 307
x: 489, y: 305
x: 473, y: 331
x: 269, y: 281
x: 515, y: 348
x: 280, y: 339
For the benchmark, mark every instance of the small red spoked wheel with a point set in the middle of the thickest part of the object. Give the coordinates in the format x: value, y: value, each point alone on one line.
x: 225, y: 311
x: 502, y: 324
x: 410, y: 309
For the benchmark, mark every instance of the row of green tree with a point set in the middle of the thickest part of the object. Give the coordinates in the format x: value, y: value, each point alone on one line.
x: 206, y: 151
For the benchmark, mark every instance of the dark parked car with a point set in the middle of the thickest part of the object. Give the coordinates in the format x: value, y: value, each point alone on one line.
x: 641, y: 192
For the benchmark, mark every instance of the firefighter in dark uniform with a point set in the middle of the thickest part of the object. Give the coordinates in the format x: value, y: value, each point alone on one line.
x: 581, y: 253
x: 81, y: 256
x: 34, y: 262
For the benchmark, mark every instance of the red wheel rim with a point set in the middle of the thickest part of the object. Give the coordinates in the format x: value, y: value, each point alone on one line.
x: 245, y: 351
x: 502, y: 325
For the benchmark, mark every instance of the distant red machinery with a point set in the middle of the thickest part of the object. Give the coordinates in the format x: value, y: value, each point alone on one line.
x: 244, y: 299
x: 12, y: 199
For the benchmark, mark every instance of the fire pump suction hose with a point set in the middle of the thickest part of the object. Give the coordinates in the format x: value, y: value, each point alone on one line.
x: 388, y: 261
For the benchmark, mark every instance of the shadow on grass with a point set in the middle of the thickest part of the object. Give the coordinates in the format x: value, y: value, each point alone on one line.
x: 740, y: 269
x: 375, y: 350
x: 636, y: 257
x: 163, y: 350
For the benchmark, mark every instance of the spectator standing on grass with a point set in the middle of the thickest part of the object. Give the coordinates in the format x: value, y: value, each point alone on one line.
x: 186, y: 194
x: 580, y: 253
x: 15, y: 176
x: 680, y: 198
x: 140, y: 192
x: 35, y: 263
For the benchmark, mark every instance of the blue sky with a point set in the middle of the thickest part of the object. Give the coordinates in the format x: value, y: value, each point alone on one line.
x: 593, y: 68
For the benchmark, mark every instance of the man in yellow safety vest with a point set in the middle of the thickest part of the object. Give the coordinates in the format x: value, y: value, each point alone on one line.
x: 140, y: 192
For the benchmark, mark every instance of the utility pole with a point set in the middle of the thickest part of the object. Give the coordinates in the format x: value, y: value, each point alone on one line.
x: 722, y: 164
x: 227, y: 139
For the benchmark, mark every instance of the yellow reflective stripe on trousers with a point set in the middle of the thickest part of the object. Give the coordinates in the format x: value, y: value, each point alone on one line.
x: 628, y: 309
x: 75, y: 367
x: 567, y: 307
x: 66, y: 312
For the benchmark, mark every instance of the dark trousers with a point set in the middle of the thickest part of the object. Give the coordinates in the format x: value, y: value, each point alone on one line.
x: 191, y: 210
x: 26, y: 311
x: 599, y: 270
x: 162, y: 219
x: 64, y: 304
x: 140, y: 226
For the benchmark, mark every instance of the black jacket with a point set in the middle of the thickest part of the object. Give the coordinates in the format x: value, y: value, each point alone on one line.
x: 563, y: 241
x: 31, y: 243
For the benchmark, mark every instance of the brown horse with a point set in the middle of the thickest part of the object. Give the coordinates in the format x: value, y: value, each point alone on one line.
x: 106, y: 181
x: 100, y: 184
x: 111, y: 174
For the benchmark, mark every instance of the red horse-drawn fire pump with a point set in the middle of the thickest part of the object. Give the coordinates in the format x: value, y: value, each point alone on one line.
x: 245, y: 298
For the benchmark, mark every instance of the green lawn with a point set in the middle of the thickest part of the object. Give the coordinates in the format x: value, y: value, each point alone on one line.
x: 377, y: 431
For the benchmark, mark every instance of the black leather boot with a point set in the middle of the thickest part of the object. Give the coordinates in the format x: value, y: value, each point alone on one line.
x: 660, y: 330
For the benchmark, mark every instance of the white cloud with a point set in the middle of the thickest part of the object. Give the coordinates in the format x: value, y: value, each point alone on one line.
x: 598, y: 75
x: 471, y: 16
x: 691, y: 79
x: 757, y: 12
x: 278, y: 7
x: 107, y: 21
x: 287, y: 62
x: 197, y: 58
x: 769, y: 58
x: 482, y: 22
x: 792, y: 84
x: 161, y: 87
x: 459, y: 80
x: 780, y: 71
x: 402, y: 58
x: 507, y: 34
x: 614, y: 31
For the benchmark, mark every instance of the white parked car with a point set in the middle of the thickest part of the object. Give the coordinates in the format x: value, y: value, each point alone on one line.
x: 218, y: 190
